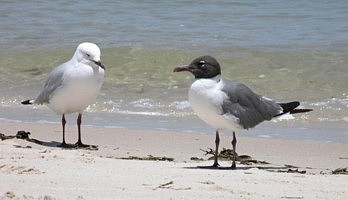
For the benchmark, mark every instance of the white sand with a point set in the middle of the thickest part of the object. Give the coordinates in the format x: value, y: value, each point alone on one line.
x: 47, y: 172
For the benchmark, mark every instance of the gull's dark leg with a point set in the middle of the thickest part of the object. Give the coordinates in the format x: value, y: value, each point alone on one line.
x: 79, y: 142
x: 63, y: 144
x: 234, y: 142
x: 217, y: 142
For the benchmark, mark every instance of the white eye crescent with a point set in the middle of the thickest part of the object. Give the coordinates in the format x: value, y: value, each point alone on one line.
x: 202, y: 65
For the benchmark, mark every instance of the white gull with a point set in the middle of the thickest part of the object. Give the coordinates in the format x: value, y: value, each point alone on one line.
x: 73, y: 85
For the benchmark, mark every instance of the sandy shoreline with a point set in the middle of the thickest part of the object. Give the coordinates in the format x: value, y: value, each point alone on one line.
x: 32, y: 171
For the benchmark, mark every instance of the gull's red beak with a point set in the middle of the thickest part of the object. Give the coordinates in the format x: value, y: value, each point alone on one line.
x: 100, y: 64
x: 182, y: 68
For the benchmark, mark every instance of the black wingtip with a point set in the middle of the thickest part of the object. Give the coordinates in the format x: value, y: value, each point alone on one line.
x: 287, y: 107
x: 291, y: 108
x: 300, y: 111
x: 27, y: 102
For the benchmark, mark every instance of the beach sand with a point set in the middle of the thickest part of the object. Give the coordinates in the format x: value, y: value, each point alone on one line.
x: 296, y: 169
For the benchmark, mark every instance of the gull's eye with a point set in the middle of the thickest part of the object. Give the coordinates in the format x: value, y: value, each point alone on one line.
x: 88, y: 55
x: 202, y: 65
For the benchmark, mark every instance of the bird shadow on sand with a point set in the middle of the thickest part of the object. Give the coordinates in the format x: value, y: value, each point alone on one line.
x: 68, y: 146
x: 269, y: 168
x: 239, y: 168
x: 246, y: 162
x: 25, y: 136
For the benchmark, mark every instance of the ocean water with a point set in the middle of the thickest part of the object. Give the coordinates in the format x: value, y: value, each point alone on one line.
x: 285, y: 50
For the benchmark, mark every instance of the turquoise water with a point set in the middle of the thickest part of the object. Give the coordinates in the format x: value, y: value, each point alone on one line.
x: 286, y: 50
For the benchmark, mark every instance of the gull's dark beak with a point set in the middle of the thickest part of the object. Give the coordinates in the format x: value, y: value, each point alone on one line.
x: 100, y: 64
x: 182, y: 68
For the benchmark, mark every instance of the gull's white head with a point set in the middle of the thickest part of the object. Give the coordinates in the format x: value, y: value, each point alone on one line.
x: 88, y: 53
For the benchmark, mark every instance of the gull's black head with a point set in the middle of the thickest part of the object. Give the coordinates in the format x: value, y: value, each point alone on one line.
x: 202, y: 67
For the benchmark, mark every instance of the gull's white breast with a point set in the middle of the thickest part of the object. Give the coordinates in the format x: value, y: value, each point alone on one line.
x: 206, y: 99
x: 80, y: 87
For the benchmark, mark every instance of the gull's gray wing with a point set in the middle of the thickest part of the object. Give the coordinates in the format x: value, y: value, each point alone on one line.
x: 54, y: 81
x: 249, y: 107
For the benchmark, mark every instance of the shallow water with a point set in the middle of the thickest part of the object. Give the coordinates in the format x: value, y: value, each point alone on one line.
x: 282, y: 49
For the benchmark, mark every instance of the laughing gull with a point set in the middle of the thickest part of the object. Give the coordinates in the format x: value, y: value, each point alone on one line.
x: 72, y: 86
x: 224, y: 104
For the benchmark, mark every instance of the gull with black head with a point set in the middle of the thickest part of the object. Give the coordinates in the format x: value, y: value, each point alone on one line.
x: 224, y: 104
x: 73, y: 86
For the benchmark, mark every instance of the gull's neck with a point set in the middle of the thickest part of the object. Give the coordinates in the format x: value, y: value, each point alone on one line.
x: 216, y: 78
